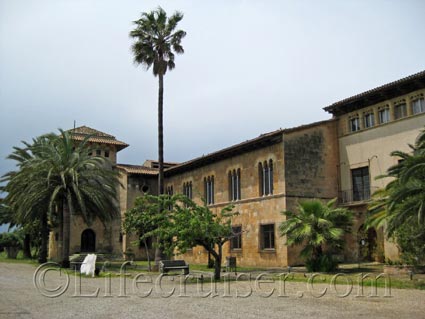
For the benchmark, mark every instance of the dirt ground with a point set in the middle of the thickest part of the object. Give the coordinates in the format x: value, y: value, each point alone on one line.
x: 130, y: 298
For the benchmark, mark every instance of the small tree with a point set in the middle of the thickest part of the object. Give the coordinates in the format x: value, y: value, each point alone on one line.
x: 12, y: 241
x: 184, y: 226
x: 143, y: 219
x: 317, y: 225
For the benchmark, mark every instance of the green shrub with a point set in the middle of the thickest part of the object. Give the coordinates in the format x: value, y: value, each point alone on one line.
x: 324, y: 263
x: 13, y: 239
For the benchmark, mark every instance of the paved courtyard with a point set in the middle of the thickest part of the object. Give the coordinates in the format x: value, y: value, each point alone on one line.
x: 20, y: 299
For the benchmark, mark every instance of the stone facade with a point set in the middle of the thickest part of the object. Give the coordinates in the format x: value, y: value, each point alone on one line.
x: 267, y: 175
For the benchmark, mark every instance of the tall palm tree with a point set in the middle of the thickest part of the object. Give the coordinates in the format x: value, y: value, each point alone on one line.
x: 316, y: 225
x: 155, y: 45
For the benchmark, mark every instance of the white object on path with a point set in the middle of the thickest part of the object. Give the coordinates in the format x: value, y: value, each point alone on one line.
x: 89, y: 265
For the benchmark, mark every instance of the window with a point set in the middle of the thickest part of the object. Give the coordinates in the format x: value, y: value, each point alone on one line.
x: 418, y: 106
x: 265, y: 175
x: 384, y: 115
x: 236, y: 240
x: 361, y: 183
x: 267, y: 236
x: 209, y: 189
x: 354, y: 124
x: 98, y: 152
x: 106, y: 153
x: 235, y: 185
x: 369, y: 120
x: 400, y: 111
x: 187, y: 189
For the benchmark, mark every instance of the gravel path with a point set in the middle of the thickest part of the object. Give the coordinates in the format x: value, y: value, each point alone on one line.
x: 20, y: 299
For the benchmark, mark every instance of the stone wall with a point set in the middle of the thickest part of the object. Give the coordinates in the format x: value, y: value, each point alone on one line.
x: 254, y: 209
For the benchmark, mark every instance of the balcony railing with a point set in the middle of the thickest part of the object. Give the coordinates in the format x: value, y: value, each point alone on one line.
x: 358, y: 195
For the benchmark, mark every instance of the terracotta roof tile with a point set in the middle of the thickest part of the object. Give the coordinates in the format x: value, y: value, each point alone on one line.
x: 137, y: 169
x: 80, y: 133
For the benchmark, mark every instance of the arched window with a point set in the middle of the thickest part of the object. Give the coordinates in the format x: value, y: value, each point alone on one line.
x: 187, y: 189
x: 260, y: 179
x: 209, y: 189
x: 235, y: 185
x: 265, y: 177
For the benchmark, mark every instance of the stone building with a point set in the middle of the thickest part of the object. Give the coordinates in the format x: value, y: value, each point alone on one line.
x: 269, y: 174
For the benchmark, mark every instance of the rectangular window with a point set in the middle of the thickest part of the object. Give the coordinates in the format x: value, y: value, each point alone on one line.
x: 267, y: 236
x: 369, y: 120
x: 384, y: 115
x: 418, y: 106
x: 235, y: 185
x: 106, y: 153
x: 236, y: 240
x: 209, y: 189
x: 354, y: 124
x: 400, y: 111
x: 98, y: 152
x: 361, y: 183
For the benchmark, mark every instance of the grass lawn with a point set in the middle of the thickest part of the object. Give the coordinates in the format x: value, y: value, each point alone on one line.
x: 350, y: 272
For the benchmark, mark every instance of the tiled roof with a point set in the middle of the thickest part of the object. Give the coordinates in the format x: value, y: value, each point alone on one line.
x: 137, y: 169
x: 80, y: 133
x: 381, y: 93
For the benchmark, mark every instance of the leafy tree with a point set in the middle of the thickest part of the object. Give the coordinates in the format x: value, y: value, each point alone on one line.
x: 57, y: 178
x: 156, y: 42
x: 411, y: 241
x: 184, y: 226
x: 12, y: 241
x: 315, y: 226
x: 143, y: 219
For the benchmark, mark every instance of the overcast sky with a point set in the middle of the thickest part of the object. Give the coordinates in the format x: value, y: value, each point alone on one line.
x: 249, y: 67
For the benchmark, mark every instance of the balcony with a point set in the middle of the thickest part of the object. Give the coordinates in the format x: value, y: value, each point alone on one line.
x: 351, y: 196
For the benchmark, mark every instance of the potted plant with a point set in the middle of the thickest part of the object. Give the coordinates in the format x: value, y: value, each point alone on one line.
x: 12, y: 242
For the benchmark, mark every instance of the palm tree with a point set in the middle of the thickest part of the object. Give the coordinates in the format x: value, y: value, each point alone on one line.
x: 27, y: 196
x: 81, y: 184
x: 57, y: 179
x: 316, y: 225
x: 402, y: 201
x: 156, y: 43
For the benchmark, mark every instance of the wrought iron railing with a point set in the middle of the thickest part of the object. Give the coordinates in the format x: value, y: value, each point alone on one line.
x: 356, y: 195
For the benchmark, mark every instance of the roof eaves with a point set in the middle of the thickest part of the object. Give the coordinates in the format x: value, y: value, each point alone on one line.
x: 335, y: 107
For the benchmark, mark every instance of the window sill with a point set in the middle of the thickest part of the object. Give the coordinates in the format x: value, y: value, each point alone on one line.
x: 268, y: 250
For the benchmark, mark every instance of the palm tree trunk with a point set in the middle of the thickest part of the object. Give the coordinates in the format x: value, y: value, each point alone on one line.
x: 66, y: 230
x: 158, y: 251
x: 27, y: 246
x: 42, y: 257
x: 160, y: 135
